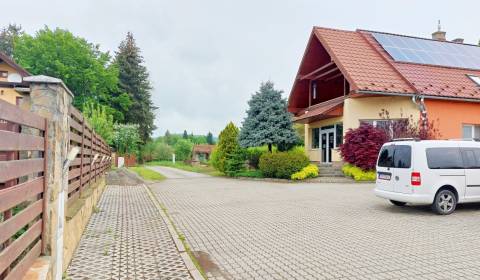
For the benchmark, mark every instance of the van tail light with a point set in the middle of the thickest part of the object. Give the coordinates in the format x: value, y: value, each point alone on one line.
x: 416, y: 179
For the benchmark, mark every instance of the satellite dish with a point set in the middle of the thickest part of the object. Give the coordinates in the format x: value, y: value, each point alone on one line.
x: 14, y: 78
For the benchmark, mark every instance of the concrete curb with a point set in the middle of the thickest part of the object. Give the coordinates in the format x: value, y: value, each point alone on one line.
x: 196, y: 275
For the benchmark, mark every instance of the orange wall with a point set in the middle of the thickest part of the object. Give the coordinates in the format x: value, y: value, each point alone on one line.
x: 449, y: 116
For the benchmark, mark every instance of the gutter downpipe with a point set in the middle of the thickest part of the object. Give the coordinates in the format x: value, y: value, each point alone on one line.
x: 419, y: 101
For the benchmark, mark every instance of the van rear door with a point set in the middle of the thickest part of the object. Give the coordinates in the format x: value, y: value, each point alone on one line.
x: 402, y: 163
x: 385, y: 168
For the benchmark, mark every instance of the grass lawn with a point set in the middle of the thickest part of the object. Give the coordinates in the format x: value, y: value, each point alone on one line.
x: 147, y: 174
x: 183, y: 166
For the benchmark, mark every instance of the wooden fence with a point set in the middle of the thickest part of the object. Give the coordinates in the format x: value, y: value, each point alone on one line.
x: 92, y: 161
x: 23, y: 142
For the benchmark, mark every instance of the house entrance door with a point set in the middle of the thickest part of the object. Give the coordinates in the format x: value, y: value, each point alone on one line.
x: 327, y: 138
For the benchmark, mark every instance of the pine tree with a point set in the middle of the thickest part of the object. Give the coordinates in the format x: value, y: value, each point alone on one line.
x: 268, y: 122
x: 7, y: 38
x: 134, y: 79
x: 185, y: 134
x: 227, y: 148
x: 210, y: 140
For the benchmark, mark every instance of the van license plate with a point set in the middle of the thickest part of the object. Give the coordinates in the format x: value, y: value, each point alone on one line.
x: 384, y: 176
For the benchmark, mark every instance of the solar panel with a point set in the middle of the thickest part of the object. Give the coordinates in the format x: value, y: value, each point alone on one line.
x: 417, y: 50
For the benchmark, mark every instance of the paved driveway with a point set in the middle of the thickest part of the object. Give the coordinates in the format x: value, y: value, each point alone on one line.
x: 257, y: 230
x: 174, y: 173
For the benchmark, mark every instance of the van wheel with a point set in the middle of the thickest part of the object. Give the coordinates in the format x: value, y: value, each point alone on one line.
x: 445, y: 202
x: 398, y: 203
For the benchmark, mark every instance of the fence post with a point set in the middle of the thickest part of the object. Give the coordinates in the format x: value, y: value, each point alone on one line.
x: 50, y: 98
x: 81, y: 157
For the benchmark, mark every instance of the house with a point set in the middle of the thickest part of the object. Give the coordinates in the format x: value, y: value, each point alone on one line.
x: 201, y: 153
x: 348, y: 77
x: 12, y: 85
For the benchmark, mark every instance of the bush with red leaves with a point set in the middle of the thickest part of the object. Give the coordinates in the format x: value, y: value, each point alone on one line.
x: 362, y: 145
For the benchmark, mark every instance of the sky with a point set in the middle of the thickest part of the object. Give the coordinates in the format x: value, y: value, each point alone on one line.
x: 206, y: 58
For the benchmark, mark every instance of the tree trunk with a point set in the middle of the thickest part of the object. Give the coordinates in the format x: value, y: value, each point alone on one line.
x: 270, y: 148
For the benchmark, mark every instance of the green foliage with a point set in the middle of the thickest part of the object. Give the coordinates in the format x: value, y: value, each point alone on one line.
x: 198, y: 139
x: 283, y: 164
x: 157, y: 150
x: 358, y: 174
x: 8, y: 36
x: 187, y: 167
x: 185, y: 134
x: 268, y: 122
x: 134, y: 80
x: 126, y: 138
x: 210, y: 139
x: 100, y: 120
x: 311, y: 171
x: 253, y: 155
x: 249, y: 174
x: 183, y: 149
x: 227, y: 147
x: 235, y: 162
x: 88, y: 72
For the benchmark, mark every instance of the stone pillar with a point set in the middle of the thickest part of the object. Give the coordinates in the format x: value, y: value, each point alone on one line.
x: 50, y: 98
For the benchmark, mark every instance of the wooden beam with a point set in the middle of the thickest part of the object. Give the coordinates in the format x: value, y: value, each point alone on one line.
x: 326, y: 73
x: 307, y: 76
x: 333, y: 77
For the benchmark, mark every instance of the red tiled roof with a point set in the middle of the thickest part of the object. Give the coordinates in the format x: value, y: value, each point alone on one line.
x: 203, y: 148
x: 368, y: 68
x: 320, y: 109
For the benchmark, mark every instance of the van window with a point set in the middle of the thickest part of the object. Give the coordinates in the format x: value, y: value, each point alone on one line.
x: 402, y: 157
x: 471, y: 157
x: 444, y: 158
x: 386, y: 157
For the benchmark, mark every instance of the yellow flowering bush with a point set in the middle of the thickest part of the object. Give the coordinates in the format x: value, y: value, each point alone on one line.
x: 310, y: 171
x: 358, y: 174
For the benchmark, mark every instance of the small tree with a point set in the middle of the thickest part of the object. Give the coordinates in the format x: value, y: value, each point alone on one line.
x: 126, y: 138
x: 268, y: 122
x: 185, y: 134
x: 210, y: 140
x: 101, y: 121
x: 362, y: 146
x: 227, y: 147
x: 183, y: 149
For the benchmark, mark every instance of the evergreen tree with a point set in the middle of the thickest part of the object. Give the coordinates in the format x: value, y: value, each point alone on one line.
x: 210, y: 140
x: 168, y: 136
x: 227, y: 149
x: 134, y: 79
x: 185, y: 134
x: 7, y: 38
x: 268, y: 122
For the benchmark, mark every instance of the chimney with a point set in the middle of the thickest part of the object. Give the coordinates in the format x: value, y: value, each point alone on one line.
x: 439, y: 35
x: 458, y: 41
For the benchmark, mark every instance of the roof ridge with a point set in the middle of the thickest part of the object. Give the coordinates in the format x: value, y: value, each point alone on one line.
x: 333, y: 29
x: 8, y: 60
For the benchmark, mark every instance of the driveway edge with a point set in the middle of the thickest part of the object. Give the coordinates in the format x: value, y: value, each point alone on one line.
x: 177, y: 239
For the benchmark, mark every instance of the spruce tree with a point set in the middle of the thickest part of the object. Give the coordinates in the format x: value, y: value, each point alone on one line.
x: 210, y: 140
x: 134, y: 79
x: 267, y: 122
x: 185, y: 134
x: 7, y: 38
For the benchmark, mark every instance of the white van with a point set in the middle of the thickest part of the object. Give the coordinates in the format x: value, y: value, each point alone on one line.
x: 440, y: 173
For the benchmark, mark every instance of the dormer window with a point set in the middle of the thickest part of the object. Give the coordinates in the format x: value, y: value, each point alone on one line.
x: 475, y: 79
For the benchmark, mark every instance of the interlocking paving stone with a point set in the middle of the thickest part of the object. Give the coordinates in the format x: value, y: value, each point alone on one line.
x: 260, y: 230
x: 127, y: 239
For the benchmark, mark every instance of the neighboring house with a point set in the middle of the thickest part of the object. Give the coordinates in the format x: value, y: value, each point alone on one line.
x: 348, y: 77
x: 12, y: 86
x: 202, y: 152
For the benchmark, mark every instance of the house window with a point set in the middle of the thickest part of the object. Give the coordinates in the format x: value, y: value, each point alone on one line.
x: 470, y: 131
x: 387, y: 125
x: 315, y: 138
x: 4, y: 74
x: 338, y: 134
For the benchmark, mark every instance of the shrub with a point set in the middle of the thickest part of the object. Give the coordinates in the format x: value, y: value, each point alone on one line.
x: 362, y: 145
x: 311, y: 171
x: 253, y: 155
x: 283, y: 164
x: 227, y: 146
x: 358, y: 174
x: 235, y: 162
x: 183, y: 149
x: 162, y: 151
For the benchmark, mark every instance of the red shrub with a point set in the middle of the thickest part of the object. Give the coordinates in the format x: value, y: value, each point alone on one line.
x: 362, y: 146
